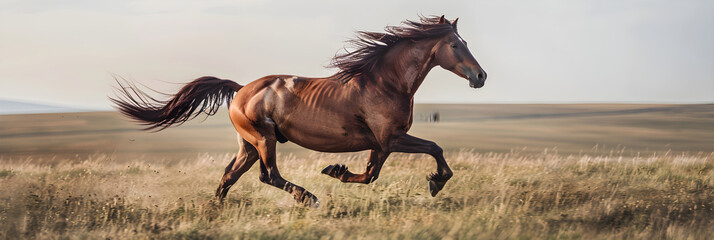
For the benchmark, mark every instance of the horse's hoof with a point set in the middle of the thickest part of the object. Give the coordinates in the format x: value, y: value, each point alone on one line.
x: 220, y: 194
x: 433, y: 188
x: 313, y: 203
x: 328, y: 169
x: 436, y: 183
x: 310, y: 200
x: 335, y: 170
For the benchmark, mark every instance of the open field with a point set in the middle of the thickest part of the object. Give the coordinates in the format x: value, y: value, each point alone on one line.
x: 575, y: 128
x: 521, y: 171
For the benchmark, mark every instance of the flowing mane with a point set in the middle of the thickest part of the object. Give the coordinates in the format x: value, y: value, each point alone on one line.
x: 369, y: 47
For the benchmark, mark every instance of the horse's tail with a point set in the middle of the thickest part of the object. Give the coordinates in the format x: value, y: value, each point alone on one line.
x: 203, y: 95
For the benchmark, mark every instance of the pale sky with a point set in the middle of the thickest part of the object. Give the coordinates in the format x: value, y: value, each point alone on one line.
x: 65, y: 52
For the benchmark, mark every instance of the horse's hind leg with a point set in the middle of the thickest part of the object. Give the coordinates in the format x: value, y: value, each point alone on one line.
x: 246, y: 157
x: 269, y: 173
x: 374, y: 166
x: 256, y: 128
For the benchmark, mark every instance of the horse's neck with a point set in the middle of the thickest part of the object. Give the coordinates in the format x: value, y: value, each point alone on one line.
x: 405, y: 66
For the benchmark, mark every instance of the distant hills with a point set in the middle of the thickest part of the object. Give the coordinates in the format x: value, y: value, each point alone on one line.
x: 15, y: 107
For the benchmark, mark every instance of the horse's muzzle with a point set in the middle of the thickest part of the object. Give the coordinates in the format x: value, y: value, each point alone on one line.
x: 477, y: 81
x: 476, y: 78
x: 476, y: 84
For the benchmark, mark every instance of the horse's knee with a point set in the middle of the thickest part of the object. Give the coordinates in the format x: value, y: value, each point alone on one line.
x: 435, y: 150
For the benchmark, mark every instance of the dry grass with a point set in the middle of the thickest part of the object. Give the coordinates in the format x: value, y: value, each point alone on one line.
x: 94, y: 175
x: 492, y: 195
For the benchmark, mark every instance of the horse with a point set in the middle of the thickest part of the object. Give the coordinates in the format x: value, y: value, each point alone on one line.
x: 367, y: 105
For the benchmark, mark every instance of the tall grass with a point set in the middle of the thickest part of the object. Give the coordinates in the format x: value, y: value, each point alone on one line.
x: 492, y: 195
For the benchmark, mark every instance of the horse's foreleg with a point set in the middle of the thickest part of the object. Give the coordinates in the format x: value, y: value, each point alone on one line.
x: 374, y: 166
x: 410, y: 144
x: 245, y: 159
x: 269, y: 174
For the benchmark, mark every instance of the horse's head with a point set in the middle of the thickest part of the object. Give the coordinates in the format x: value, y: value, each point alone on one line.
x: 451, y: 53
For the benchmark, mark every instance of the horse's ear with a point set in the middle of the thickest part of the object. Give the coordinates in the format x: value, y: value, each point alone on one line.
x: 454, y: 23
x: 443, y: 20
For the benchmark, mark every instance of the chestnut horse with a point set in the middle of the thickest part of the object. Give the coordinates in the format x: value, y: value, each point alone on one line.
x: 367, y: 105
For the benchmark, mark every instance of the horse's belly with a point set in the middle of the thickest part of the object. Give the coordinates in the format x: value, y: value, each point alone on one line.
x: 333, y: 146
x: 326, y: 136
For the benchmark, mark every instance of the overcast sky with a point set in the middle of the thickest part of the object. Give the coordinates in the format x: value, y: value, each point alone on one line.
x: 65, y: 52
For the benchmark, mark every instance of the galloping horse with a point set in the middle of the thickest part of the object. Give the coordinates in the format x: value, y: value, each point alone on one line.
x: 366, y: 105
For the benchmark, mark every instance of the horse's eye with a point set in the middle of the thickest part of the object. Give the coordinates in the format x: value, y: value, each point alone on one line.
x: 453, y: 46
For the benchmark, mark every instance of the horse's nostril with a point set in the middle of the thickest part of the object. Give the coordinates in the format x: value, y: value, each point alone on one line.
x: 481, y: 76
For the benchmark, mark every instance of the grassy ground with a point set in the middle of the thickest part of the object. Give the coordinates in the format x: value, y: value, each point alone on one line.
x: 521, y: 171
x: 492, y: 195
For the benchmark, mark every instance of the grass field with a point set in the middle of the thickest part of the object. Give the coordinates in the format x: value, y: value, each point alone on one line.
x: 521, y: 171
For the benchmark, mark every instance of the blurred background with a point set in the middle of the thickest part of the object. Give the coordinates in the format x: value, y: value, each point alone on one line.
x: 65, y: 53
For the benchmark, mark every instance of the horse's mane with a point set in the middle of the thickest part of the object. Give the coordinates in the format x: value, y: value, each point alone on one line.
x: 369, y: 47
